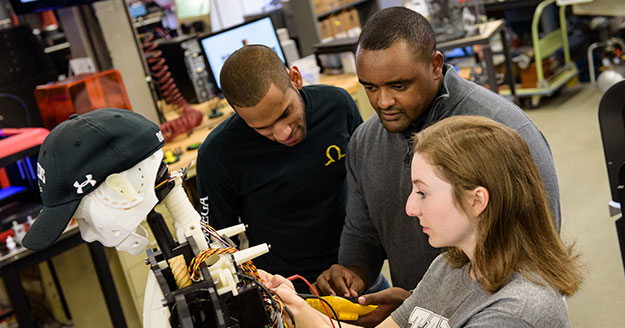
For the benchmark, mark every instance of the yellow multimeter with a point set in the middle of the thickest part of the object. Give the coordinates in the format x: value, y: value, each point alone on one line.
x: 345, y: 309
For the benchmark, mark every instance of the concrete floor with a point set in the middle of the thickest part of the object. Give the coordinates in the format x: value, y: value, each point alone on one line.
x: 569, y: 121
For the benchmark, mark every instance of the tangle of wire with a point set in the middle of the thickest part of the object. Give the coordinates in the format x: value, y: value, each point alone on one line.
x: 248, y: 268
x: 211, y: 231
x: 194, y: 265
x: 274, y: 300
x: 251, y: 273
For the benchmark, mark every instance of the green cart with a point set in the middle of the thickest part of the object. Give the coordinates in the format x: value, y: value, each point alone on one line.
x: 543, y: 49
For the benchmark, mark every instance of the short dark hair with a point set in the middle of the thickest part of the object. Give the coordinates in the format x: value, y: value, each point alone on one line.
x: 249, y: 72
x: 396, y: 24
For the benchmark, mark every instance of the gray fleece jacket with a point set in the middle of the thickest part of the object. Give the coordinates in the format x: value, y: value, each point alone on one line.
x: 378, y: 179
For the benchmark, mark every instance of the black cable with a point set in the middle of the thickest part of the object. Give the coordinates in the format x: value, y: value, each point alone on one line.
x: 286, y: 308
x: 331, y: 308
x: 304, y: 296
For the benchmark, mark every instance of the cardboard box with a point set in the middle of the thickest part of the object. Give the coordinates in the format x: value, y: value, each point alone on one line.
x: 529, y: 76
x: 352, y: 19
x: 333, y: 4
x: 320, y: 6
x: 325, y: 29
x: 339, y: 28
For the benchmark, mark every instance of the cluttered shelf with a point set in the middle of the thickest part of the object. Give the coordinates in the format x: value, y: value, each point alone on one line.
x: 327, y: 12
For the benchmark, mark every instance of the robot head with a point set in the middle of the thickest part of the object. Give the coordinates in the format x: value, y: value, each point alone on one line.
x: 78, y: 157
x: 113, y: 212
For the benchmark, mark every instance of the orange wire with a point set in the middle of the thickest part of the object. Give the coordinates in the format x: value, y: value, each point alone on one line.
x: 296, y: 276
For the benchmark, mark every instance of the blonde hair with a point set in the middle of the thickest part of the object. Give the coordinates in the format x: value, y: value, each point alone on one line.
x: 515, y: 231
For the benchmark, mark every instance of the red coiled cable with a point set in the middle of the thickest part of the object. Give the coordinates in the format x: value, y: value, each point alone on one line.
x: 189, y: 117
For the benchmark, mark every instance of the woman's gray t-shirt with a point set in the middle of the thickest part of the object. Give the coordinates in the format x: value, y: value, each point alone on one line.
x: 447, y: 297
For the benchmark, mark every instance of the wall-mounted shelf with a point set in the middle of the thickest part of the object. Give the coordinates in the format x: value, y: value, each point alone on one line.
x: 326, y: 14
x: 307, y: 19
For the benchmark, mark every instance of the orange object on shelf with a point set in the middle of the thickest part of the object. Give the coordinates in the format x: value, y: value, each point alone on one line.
x: 48, y: 20
x: 80, y: 94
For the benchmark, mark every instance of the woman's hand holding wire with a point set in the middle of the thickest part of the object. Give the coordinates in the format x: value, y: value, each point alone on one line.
x: 305, y: 316
x: 274, y: 281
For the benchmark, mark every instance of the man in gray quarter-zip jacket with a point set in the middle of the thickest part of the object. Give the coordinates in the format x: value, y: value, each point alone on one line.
x: 410, y: 88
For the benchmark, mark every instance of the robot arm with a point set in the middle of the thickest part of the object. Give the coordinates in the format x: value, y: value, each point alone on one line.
x: 225, y: 291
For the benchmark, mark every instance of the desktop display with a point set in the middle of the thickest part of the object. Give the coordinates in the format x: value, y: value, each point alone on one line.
x: 219, y: 46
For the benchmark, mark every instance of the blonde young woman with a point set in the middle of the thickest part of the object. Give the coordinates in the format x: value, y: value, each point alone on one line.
x: 477, y: 193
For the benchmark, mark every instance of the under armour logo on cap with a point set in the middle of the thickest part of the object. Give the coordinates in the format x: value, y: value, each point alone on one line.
x: 79, y: 186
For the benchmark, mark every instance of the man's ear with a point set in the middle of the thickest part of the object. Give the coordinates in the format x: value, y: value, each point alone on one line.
x: 436, y: 64
x: 479, y: 200
x: 296, y: 77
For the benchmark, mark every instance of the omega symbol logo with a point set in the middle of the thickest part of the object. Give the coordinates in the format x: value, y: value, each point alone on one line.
x: 329, y: 154
x: 81, y: 185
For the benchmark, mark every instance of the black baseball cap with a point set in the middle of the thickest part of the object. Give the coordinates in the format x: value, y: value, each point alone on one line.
x: 76, y: 158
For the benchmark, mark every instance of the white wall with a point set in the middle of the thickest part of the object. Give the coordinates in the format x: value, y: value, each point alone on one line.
x: 225, y: 13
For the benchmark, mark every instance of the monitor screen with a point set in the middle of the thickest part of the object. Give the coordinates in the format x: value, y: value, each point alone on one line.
x: 218, y: 46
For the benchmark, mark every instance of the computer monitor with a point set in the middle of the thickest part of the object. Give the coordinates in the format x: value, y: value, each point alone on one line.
x: 219, y: 46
